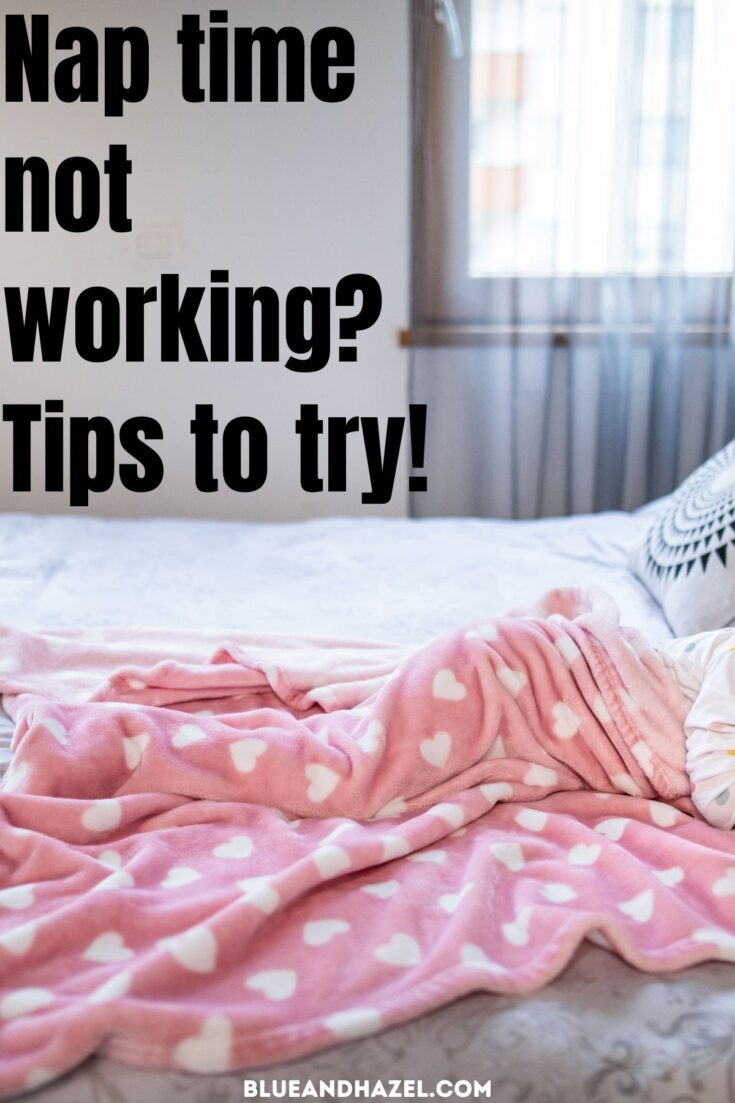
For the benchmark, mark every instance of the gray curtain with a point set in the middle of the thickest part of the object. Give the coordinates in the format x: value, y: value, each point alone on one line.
x: 550, y: 388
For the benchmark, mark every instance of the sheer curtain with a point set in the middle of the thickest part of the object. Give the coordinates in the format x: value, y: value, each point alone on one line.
x: 574, y: 223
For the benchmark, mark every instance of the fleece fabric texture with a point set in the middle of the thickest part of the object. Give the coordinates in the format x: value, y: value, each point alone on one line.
x: 220, y: 856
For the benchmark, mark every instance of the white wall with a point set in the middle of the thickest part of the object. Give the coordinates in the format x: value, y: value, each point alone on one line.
x: 280, y: 194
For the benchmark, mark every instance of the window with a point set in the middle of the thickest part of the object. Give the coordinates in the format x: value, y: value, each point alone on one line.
x: 596, y: 136
x: 574, y: 140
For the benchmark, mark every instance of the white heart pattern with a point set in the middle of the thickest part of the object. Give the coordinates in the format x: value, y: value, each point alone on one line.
x: 275, y: 984
x: 724, y: 940
x: 188, y: 734
x: 446, y: 687
x: 208, y: 1051
x: 495, y: 791
x: 354, y: 1023
x: 338, y: 830
x: 178, y: 876
x: 239, y: 846
x: 112, y: 989
x: 103, y: 815
x: 133, y: 747
x: 452, y: 814
x: 640, y: 908
x: 19, y: 940
x: 642, y: 754
x: 331, y: 861
x: 395, y: 807
x: 725, y: 886
x: 557, y: 893
x: 395, y: 847
x: 323, y: 781
x: 532, y: 819
x: 662, y: 814
x: 670, y: 877
x: 195, y: 949
x: 246, y: 752
x: 318, y: 932
x: 17, y: 897
x: 513, y: 680
x: 450, y: 901
x: 568, y: 649
x: 566, y: 722
x: 258, y: 892
x: 108, y: 949
x: 542, y: 776
x: 630, y: 702
x: 516, y: 932
x: 382, y: 889
x: 15, y: 776
x: 624, y: 783
x: 402, y: 950
x: 370, y: 742
x: 487, y: 632
x: 510, y: 855
x: 497, y: 750
x: 23, y: 1001
x: 438, y: 857
x: 436, y: 750
x: 612, y: 829
x: 57, y: 729
x: 584, y: 854
x: 120, y: 879
x: 476, y: 957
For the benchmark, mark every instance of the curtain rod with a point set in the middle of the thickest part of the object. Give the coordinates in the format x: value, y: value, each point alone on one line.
x: 560, y: 336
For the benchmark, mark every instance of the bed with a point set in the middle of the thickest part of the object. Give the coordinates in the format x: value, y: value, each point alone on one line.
x: 601, y: 1031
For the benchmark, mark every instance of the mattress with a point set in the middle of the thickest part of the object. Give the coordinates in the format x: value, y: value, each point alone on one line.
x: 601, y: 1031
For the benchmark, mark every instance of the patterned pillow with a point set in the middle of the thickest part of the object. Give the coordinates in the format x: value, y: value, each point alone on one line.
x: 687, y: 560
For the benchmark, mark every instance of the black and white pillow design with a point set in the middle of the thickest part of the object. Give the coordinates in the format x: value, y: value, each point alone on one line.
x: 687, y: 560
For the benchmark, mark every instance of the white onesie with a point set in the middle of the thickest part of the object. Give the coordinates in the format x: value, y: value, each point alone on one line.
x: 703, y: 667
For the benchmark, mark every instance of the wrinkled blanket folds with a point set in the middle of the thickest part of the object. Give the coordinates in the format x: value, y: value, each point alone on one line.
x: 222, y: 853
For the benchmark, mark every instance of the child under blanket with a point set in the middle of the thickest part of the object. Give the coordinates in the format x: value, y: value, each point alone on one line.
x: 703, y: 668
x: 688, y: 684
x: 651, y: 719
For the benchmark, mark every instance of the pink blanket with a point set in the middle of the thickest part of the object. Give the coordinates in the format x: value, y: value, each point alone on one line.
x: 214, y: 857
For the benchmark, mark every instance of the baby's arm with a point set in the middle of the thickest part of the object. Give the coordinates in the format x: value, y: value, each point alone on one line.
x: 710, y: 740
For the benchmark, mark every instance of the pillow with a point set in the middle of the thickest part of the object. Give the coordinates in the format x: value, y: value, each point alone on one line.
x: 687, y: 559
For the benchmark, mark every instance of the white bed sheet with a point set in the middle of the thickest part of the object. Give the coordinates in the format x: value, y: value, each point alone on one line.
x: 396, y: 580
